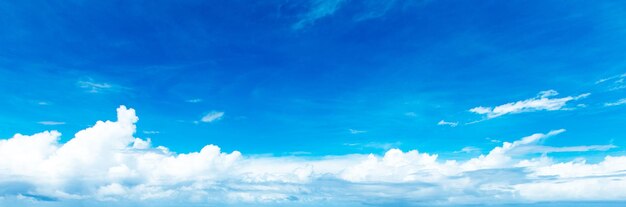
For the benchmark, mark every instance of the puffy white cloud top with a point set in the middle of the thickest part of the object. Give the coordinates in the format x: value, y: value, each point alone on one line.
x: 106, y: 164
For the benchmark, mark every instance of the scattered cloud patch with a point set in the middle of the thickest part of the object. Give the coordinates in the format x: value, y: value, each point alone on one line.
x: 445, y: 123
x: 354, y: 131
x: 542, y: 102
x: 50, y: 123
x: 43, y: 103
x: 212, y: 116
x: 616, y: 103
x: 106, y: 164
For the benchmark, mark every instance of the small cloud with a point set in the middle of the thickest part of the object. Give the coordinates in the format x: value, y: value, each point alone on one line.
x: 354, y: 131
x: 618, y: 78
x: 151, y: 132
x: 542, y: 101
x: 195, y: 100
x: 617, y: 103
x: 468, y: 149
x: 43, y: 103
x: 51, y: 123
x: 94, y: 87
x: 410, y: 114
x: 493, y: 140
x: 451, y: 124
x: 212, y: 116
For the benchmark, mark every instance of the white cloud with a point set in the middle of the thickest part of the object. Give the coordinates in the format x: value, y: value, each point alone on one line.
x: 542, y: 102
x: 51, y: 123
x: 354, y: 131
x: 617, y: 103
x: 445, y: 123
x: 106, y: 165
x: 212, y: 116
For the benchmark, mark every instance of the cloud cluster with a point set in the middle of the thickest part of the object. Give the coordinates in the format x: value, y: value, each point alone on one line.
x: 106, y: 163
x: 542, y: 102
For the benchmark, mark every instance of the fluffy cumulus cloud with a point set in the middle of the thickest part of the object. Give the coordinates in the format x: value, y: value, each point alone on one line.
x: 544, y: 101
x: 107, y: 165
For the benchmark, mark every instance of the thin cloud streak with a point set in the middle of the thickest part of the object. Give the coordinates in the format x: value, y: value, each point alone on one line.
x: 51, y: 123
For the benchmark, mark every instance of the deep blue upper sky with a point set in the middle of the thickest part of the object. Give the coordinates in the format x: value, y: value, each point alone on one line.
x: 314, y: 78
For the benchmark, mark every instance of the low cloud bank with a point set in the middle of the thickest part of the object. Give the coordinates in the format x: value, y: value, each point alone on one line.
x: 106, y: 163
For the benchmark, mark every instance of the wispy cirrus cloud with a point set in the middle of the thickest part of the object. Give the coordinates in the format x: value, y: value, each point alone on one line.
x: 212, y: 116
x: 542, y: 102
x: 51, y: 123
x: 142, y: 173
x: 447, y: 123
x: 355, y: 131
x: 616, y: 78
x: 365, y: 10
x: 614, y: 82
x: 92, y: 86
x: 151, y: 132
x: 616, y: 103
x: 468, y: 149
x: 318, y: 9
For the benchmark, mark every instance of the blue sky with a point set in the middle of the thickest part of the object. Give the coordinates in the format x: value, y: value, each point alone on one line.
x: 318, y: 78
